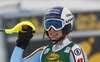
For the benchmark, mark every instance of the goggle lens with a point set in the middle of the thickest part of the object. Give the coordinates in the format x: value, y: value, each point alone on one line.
x: 56, y: 24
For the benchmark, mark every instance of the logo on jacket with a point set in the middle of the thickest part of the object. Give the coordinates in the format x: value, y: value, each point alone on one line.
x: 77, y: 51
x: 67, y: 50
x: 53, y: 56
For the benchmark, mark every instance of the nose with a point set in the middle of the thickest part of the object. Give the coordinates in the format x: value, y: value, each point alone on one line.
x: 52, y: 29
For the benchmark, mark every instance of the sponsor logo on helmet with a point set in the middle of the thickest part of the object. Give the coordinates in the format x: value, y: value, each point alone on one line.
x: 57, y: 11
x: 50, y: 16
x: 70, y: 20
x: 53, y: 56
x: 67, y: 15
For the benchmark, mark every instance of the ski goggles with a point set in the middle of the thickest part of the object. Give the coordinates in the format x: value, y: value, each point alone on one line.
x: 57, y: 24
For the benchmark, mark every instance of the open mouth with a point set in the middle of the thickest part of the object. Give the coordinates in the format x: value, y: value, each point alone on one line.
x: 54, y: 34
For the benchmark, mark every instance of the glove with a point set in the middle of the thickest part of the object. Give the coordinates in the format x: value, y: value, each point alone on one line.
x: 24, y: 37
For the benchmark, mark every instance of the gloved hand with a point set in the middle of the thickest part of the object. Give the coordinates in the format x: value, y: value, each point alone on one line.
x: 24, y: 37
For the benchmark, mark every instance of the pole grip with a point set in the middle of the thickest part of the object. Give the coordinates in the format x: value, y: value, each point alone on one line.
x: 2, y: 30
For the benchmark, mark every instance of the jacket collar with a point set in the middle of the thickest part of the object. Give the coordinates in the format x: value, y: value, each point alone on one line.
x: 64, y: 43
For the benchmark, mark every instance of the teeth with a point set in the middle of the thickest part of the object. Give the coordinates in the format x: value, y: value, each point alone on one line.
x: 54, y: 33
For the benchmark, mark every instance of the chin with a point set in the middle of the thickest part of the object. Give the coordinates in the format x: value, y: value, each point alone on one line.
x: 53, y: 39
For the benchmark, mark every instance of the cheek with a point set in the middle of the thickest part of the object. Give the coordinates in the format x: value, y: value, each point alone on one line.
x: 60, y: 33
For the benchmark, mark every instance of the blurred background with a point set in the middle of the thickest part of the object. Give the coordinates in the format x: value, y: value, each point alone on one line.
x: 86, y: 31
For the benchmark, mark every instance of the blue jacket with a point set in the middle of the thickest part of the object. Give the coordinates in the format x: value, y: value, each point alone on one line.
x: 77, y: 54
